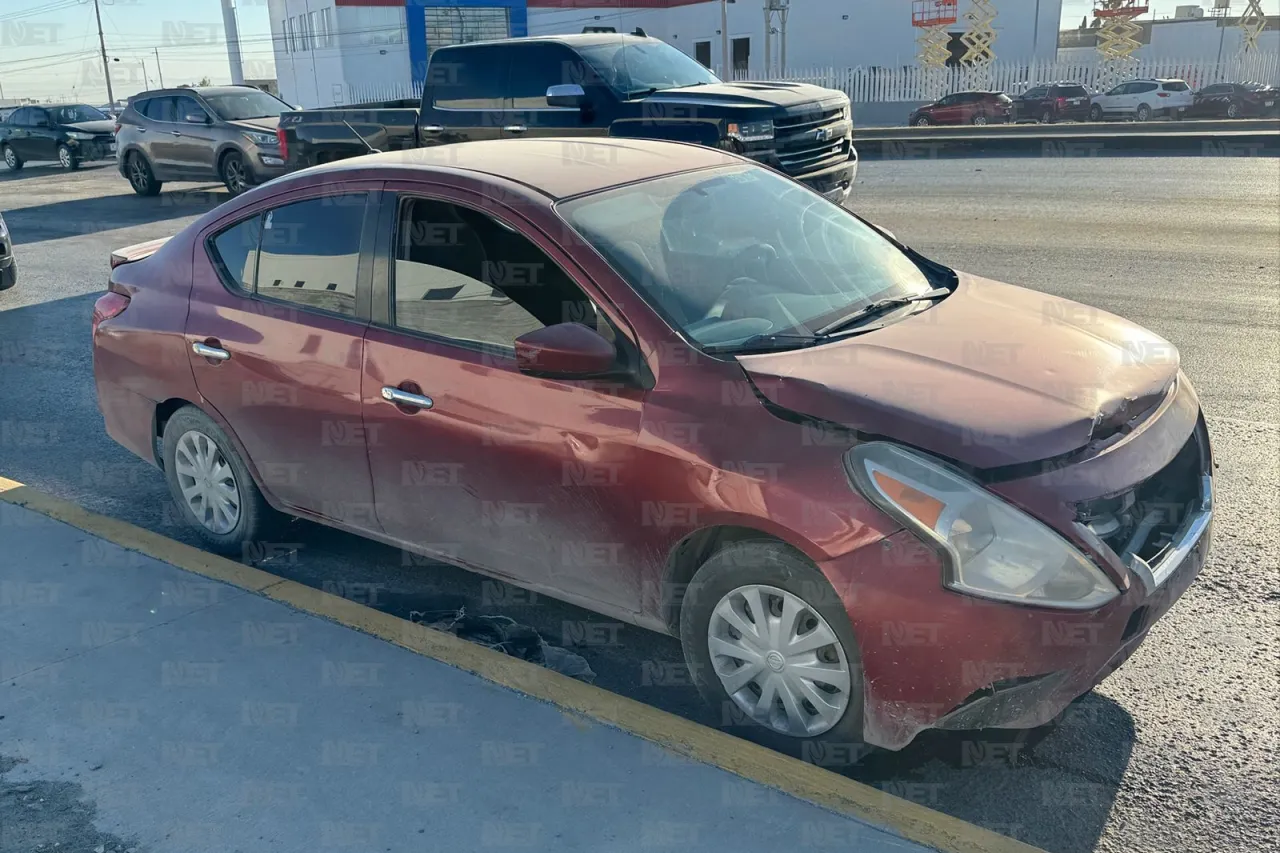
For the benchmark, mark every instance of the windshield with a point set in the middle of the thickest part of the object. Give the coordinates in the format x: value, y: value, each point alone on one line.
x: 250, y: 103
x: 733, y: 253
x: 75, y: 114
x: 633, y: 67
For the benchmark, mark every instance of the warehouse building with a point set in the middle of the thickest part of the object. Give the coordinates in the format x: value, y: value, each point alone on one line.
x: 326, y: 50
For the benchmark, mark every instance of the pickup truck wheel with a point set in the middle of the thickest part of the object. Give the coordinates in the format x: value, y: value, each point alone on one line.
x: 141, y: 178
x: 67, y: 158
x: 235, y: 174
x: 12, y: 160
x: 768, y: 641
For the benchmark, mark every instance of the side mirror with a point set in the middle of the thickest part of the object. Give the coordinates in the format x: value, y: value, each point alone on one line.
x: 196, y: 118
x: 566, y: 351
x: 566, y: 95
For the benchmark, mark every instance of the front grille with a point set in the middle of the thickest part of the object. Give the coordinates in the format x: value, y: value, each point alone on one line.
x: 808, y: 158
x: 807, y: 121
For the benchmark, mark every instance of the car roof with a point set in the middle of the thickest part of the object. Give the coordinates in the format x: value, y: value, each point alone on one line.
x: 199, y: 90
x: 556, y: 167
x: 571, y: 39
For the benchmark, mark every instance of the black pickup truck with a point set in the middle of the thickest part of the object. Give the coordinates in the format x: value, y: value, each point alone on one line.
x: 593, y: 84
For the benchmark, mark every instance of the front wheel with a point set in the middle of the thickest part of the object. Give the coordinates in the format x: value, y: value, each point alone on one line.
x: 922, y: 121
x: 235, y: 174
x: 67, y: 158
x: 211, y: 484
x: 12, y: 160
x: 1233, y: 111
x: 1095, y: 113
x: 768, y: 641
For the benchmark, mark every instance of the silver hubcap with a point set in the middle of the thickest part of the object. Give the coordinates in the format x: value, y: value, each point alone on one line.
x: 64, y: 157
x: 779, y: 660
x: 980, y: 120
x: 9, y: 157
x: 207, y: 482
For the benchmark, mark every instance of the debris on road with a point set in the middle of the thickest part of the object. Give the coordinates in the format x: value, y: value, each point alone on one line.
x: 509, y: 637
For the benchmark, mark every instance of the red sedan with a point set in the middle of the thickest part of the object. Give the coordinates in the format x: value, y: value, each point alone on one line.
x: 871, y: 495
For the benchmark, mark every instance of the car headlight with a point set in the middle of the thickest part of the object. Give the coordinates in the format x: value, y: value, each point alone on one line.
x: 83, y: 137
x: 260, y: 138
x: 750, y: 131
x: 990, y: 548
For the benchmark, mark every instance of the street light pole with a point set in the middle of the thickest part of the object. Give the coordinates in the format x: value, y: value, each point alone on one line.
x: 724, y: 39
x: 102, y: 44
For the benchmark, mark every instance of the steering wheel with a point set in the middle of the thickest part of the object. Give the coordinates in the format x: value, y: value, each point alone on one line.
x: 753, y: 263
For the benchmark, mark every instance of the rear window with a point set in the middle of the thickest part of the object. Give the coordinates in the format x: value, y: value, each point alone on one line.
x: 1179, y: 86
x: 1138, y: 88
x: 1073, y: 92
x: 235, y: 252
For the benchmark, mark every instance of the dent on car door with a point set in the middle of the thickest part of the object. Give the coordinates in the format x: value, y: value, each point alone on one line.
x: 288, y: 345
x: 514, y: 474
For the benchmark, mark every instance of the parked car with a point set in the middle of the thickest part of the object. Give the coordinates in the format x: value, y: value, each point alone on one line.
x: 1143, y: 100
x: 1236, y: 100
x: 8, y: 265
x: 965, y: 108
x: 71, y: 134
x: 610, y: 385
x: 1052, y: 103
x: 592, y: 85
x: 223, y: 133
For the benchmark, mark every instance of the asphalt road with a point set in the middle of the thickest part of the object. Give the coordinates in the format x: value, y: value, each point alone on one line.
x: 1177, y: 751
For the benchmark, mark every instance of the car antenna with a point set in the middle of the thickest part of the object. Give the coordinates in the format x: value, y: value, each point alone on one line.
x: 372, y: 150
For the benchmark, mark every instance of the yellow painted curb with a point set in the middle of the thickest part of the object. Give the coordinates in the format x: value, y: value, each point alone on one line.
x: 683, y: 737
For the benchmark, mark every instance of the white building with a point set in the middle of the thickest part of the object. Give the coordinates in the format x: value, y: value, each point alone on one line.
x: 328, y: 51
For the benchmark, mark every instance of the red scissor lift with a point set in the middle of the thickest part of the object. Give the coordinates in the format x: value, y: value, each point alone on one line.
x: 934, y: 13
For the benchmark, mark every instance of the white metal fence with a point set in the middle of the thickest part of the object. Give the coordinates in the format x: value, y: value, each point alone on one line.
x: 912, y: 83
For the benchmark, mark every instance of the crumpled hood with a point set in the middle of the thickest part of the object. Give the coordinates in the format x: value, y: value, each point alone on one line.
x: 94, y: 126
x: 748, y: 94
x: 993, y: 375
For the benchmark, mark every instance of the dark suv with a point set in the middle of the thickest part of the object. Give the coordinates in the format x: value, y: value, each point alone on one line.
x: 226, y: 133
x: 966, y: 108
x: 1054, y: 102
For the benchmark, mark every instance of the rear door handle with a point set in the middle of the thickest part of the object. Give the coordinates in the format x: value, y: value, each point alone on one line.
x: 175, y: 133
x: 206, y: 351
x: 516, y: 128
x: 433, y: 128
x: 404, y: 398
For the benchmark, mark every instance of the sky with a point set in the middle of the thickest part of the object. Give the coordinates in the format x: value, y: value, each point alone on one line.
x: 49, y: 48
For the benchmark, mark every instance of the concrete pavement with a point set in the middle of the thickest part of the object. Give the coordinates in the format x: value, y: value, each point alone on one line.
x: 199, y: 715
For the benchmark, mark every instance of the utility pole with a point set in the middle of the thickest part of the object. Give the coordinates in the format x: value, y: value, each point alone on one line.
x: 727, y: 70
x: 159, y: 70
x: 232, y: 33
x: 102, y: 44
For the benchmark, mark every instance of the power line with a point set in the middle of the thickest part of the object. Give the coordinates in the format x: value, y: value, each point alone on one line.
x: 39, y: 10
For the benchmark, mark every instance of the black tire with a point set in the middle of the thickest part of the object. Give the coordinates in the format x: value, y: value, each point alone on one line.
x: 235, y: 173
x: 1095, y: 113
x: 980, y: 119
x: 773, y: 564
x: 922, y: 121
x: 257, y: 520
x: 11, y: 158
x: 1143, y: 113
x: 1046, y: 117
x: 67, y: 158
x: 1233, y: 110
x: 140, y: 176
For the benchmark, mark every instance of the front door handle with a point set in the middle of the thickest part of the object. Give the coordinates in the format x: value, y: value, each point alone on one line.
x: 175, y: 133
x: 405, y: 398
x: 213, y: 353
x: 433, y: 129
x: 516, y: 128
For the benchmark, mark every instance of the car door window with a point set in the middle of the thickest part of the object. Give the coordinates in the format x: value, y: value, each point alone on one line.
x: 22, y: 116
x: 470, y: 78
x: 461, y: 275
x: 185, y: 105
x: 534, y: 69
x: 234, y: 252
x: 1118, y: 90
x: 1143, y: 88
x: 35, y: 117
x: 1036, y: 94
x: 160, y: 109
x: 310, y: 252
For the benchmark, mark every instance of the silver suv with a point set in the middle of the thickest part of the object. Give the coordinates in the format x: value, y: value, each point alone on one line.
x: 227, y: 133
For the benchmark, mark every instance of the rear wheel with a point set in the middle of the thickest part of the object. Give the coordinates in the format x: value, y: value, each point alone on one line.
x: 12, y: 160
x: 67, y: 158
x: 768, y: 641
x: 1143, y: 113
x: 141, y: 178
x: 211, y: 484
x: 235, y: 174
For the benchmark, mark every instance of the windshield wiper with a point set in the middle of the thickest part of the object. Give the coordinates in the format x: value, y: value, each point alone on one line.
x: 880, y: 306
x: 764, y: 343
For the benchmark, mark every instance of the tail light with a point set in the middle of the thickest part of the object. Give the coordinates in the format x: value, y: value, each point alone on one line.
x: 1062, y: 102
x: 284, y: 143
x: 110, y: 304
x: 117, y: 130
